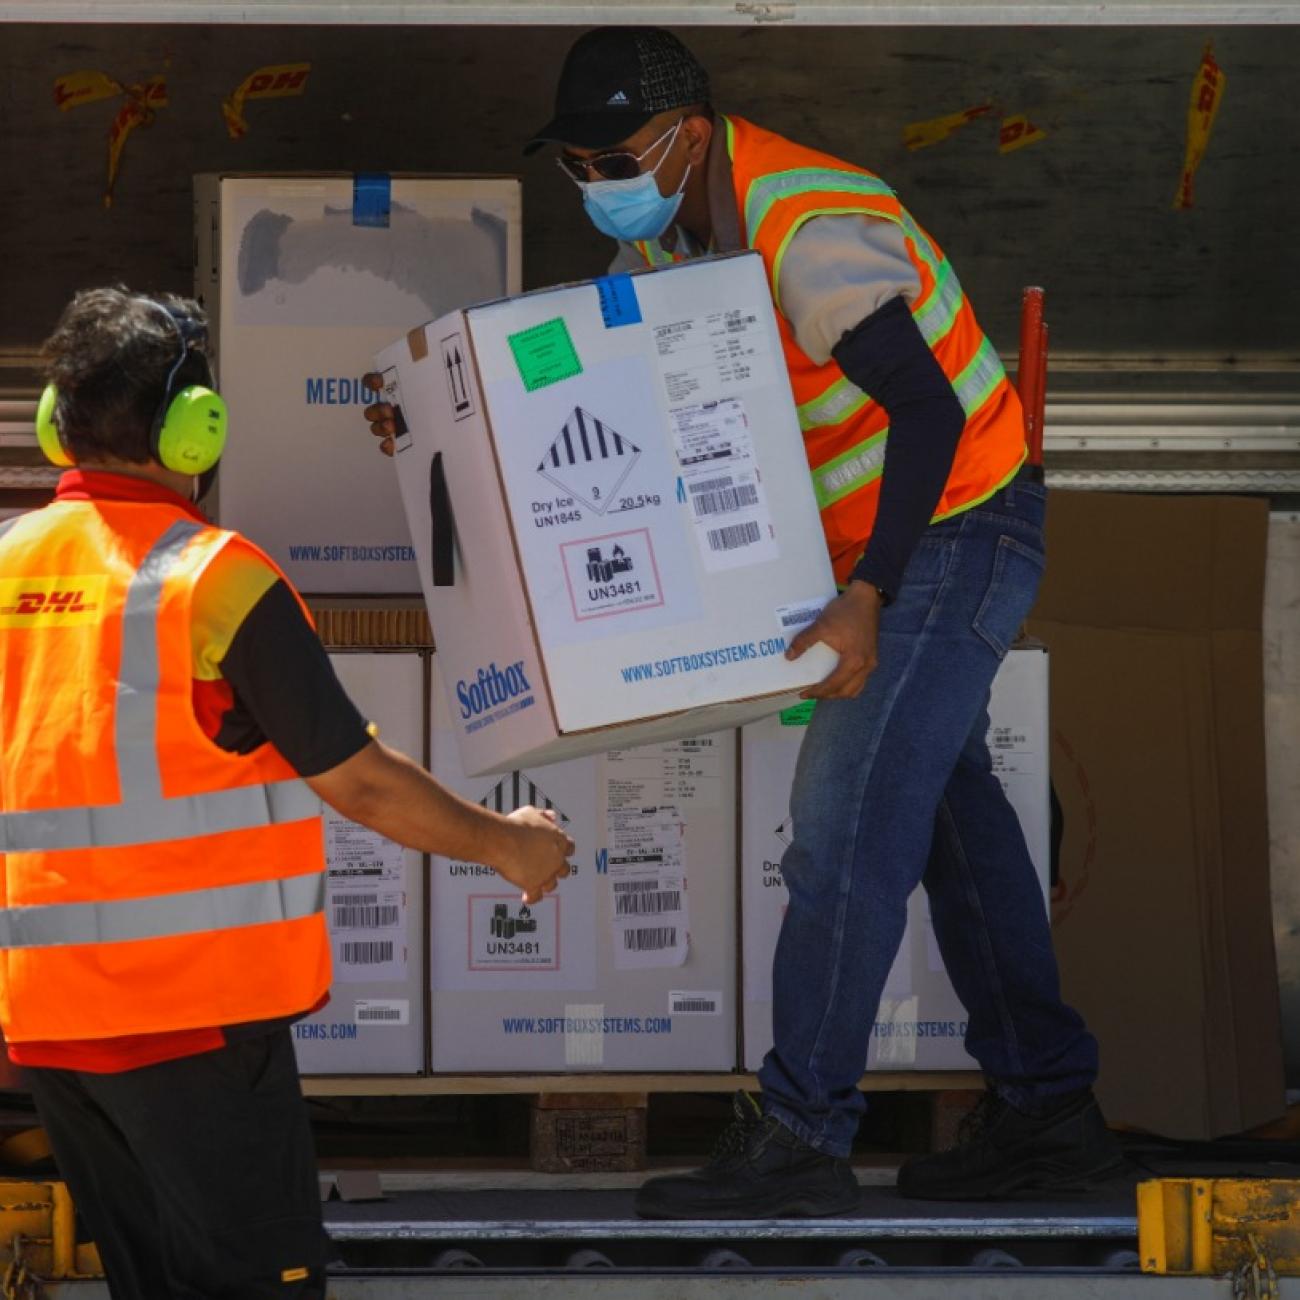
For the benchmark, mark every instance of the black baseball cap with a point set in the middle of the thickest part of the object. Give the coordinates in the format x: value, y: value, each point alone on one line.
x: 614, y: 80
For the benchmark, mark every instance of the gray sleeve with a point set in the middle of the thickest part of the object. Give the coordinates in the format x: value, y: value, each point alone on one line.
x: 836, y: 272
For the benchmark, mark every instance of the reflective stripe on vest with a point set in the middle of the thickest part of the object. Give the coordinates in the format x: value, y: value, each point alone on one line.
x: 127, y: 920
x: 655, y: 253
x: 864, y: 461
x: 144, y: 815
x: 767, y: 190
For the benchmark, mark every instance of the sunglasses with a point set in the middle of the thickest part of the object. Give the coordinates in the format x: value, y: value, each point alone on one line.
x: 618, y: 165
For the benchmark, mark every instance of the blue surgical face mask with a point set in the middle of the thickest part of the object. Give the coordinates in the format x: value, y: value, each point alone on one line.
x: 633, y: 210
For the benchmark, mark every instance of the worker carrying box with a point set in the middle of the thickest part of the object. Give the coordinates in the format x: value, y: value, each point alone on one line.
x: 915, y: 441
x: 615, y: 531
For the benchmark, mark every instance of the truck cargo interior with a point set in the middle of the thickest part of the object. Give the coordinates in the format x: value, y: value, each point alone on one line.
x: 491, y: 1081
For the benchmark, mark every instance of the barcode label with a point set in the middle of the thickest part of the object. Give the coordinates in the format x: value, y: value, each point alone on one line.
x: 366, y: 952
x: 734, y: 536
x: 353, y: 900
x: 694, y: 1004
x: 356, y: 917
x: 656, y: 940
x: 722, y: 496
x: 651, y: 904
x: 372, y: 1011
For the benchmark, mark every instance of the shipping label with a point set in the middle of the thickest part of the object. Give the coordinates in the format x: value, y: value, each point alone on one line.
x: 366, y: 903
x: 721, y: 485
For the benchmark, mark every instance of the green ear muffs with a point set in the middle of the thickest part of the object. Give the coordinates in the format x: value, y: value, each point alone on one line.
x: 47, y: 432
x: 191, y: 435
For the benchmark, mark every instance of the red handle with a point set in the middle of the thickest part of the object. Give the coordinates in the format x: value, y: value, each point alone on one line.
x: 1031, y: 375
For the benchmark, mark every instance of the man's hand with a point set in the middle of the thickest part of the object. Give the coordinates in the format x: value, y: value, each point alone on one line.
x: 538, y: 853
x: 849, y: 625
x: 380, y: 414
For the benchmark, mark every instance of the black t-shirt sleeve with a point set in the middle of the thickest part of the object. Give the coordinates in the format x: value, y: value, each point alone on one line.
x: 286, y: 690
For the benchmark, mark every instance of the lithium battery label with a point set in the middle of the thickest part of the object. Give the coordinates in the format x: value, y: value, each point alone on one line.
x: 612, y: 574
x: 507, y: 935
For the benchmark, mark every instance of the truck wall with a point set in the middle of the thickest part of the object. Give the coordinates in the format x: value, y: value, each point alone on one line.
x: 1087, y: 211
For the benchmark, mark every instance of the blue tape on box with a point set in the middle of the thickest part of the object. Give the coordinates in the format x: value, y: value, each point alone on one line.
x: 618, y: 304
x: 372, y: 198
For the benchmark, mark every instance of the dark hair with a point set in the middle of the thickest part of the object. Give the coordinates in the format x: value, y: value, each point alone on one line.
x: 109, y: 357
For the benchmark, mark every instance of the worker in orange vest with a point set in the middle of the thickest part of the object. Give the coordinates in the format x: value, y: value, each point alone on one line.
x: 171, y: 724
x: 916, y: 444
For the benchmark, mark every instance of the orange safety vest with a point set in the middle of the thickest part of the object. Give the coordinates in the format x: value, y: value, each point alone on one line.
x: 152, y: 881
x: 779, y: 185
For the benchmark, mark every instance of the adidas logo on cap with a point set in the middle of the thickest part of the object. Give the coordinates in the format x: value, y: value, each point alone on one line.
x: 618, y: 97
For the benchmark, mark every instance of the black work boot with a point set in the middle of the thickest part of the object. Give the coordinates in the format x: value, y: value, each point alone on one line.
x: 1003, y: 1152
x: 757, y: 1170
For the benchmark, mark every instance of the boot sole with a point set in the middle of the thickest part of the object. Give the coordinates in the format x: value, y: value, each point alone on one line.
x: 802, y: 1207
x: 1029, y: 1180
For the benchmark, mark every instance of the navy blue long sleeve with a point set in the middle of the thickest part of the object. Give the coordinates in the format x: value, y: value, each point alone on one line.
x: 889, y: 359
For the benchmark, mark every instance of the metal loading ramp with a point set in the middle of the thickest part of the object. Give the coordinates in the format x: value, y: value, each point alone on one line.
x: 536, y: 1228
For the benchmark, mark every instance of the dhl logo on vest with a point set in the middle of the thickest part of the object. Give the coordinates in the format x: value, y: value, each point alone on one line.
x: 52, y: 602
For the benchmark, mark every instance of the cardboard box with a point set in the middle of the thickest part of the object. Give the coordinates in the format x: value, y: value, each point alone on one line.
x: 1151, y: 607
x: 636, y: 537
x: 1282, y: 742
x: 921, y: 1022
x: 374, y: 1023
x: 630, y: 964
x: 303, y: 278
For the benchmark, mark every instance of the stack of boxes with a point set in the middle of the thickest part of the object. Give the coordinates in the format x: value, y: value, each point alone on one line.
x: 611, y: 523
x: 303, y: 277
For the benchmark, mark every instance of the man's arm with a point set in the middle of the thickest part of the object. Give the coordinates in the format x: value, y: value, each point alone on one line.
x: 386, y: 791
x: 285, y: 685
x: 846, y: 284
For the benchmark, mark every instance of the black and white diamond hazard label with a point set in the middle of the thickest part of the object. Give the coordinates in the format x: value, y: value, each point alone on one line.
x: 589, y: 460
x: 518, y: 790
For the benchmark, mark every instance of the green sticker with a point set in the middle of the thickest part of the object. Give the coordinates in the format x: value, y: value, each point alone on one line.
x: 545, y: 354
x: 798, y: 715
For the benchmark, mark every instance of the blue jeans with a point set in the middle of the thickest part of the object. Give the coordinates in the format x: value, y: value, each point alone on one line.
x: 896, y: 788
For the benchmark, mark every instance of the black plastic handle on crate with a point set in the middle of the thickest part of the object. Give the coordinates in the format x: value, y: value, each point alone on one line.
x: 442, y: 528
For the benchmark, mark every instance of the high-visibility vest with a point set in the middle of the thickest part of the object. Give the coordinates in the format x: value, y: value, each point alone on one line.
x: 779, y: 185
x: 152, y: 881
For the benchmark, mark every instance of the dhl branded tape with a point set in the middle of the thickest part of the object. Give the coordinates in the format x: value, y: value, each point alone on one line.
x: 138, y: 110
x: 275, y: 81
x: 88, y: 86
x: 1016, y: 132
x: 85, y: 87
x: 921, y: 135
x: 1202, y: 109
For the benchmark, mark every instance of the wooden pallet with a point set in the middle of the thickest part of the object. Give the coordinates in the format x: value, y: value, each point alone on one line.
x: 598, y: 1123
x: 450, y: 1085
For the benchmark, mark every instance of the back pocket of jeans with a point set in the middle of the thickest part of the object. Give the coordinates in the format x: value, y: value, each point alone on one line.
x: 1017, y: 571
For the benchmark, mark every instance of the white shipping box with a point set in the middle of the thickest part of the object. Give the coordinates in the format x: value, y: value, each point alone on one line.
x: 635, y: 532
x: 303, y: 277
x: 374, y: 902
x: 630, y: 963
x: 921, y: 1022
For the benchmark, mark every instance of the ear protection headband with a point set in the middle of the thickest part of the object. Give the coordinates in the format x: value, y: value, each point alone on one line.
x: 188, y: 432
